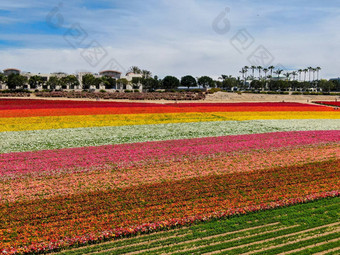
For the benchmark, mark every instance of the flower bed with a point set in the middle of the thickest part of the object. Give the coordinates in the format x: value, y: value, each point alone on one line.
x: 73, y: 173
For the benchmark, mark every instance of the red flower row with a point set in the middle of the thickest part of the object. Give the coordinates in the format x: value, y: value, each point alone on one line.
x: 79, y: 218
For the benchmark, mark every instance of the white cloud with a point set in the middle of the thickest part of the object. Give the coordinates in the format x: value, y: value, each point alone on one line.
x: 176, y: 37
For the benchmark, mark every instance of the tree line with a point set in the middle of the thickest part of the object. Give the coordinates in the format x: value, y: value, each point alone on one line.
x: 263, y: 80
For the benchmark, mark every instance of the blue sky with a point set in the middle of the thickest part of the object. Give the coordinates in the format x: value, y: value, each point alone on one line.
x: 168, y: 36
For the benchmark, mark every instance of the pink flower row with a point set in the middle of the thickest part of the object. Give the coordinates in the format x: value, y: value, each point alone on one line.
x: 127, y: 155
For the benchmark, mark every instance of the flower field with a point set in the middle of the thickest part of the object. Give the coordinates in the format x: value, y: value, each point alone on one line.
x: 330, y: 103
x: 80, y: 172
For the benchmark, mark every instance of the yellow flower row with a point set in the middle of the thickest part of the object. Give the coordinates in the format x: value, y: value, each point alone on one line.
x: 58, y: 122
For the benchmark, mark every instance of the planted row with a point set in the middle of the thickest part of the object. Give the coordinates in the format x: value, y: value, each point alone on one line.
x: 65, y: 220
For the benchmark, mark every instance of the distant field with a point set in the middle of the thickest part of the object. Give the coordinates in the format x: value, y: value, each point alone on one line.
x: 312, y: 228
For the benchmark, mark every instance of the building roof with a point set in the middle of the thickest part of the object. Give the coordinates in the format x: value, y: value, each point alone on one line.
x: 112, y: 71
x: 10, y: 69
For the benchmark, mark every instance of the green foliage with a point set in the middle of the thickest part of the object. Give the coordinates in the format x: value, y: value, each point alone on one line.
x: 35, y: 81
x: 214, y: 90
x: 150, y: 84
x: 266, y: 232
x: 53, y: 82
x: 109, y: 82
x: 205, y: 82
x: 16, y: 80
x: 228, y: 82
x: 188, y: 81
x: 69, y: 80
x: 326, y: 85
x: 170, y: 82
x: 88, y: 81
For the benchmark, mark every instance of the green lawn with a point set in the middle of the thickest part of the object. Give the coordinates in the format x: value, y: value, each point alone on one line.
x: 309, y: 228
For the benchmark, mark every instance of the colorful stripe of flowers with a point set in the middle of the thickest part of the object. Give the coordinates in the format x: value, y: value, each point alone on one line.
x: 59, y: 122
x: 330, y: 103
x: 95, y: 136
x: 75, y: 172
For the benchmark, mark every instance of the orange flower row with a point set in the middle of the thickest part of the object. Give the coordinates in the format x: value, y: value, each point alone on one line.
x: 45, y: 222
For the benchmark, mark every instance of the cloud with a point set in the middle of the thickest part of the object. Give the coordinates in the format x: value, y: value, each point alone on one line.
x: 171, y: 37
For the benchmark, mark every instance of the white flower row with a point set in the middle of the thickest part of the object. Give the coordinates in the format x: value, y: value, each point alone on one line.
x: 80, y: 137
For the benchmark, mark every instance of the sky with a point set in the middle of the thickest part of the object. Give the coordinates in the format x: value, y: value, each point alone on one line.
x: 170, y: 37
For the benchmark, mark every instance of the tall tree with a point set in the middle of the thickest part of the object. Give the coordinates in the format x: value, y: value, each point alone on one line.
x: 309, y: 69
x: 253, y: 70
x: 53, y: 82
x: 122, y: 83
x: 265, y: 70
x: 170, y: 82
x: 294, y: 73
x: 150, y: 84
x: 188, y: 81
x: 135, y: 69
x: 205, y: 82
x: 287, y: 74
x: 16, y: 81
x: 109, y: 82
x: 326, y: 85
x: 300, y: 71
x: 271, y: 68
x: 228, y: 82
x: 305, y: 72
x: 35, y: 81
x: 244, y: 73
x: 259, y: 68
x: 146, y: 74
x: 246, y: 68
x: 88, y: 81
x: 278, y: 72
x: 70, y: 81
x: 313, y: 70
x: 318, y: 70
x: 136, y: 82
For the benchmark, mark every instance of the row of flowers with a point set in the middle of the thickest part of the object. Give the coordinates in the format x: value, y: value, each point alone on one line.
x: 96, y: 136
x: 59, y: 122
x: 51, y: 223
x: 239, y: 158
x: 21, y: 186
x: 330, y: 103
x: 123, y: 155
x: 44, y: 104
x: 151, y: 109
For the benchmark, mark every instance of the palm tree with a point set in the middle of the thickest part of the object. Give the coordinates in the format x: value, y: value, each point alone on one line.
x: 244, y: 74
x: 317, y: 71
x: 278, y: 72
x: 265, y: 70
x: 287, y: 74
x: 271, y: 68
x: 246, y: 68
x: 253, y: 70
x: 309, y: 71
x: 135, y: 69
x: 300, y: 71
x: 294, y: 73
x: 313, y: 70
x: 305, y: 71
x: 259, y: 68
x: 146, y: 74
